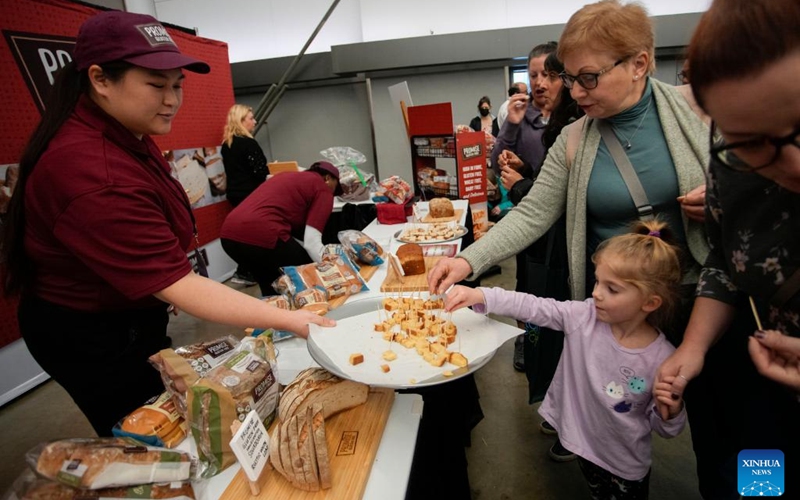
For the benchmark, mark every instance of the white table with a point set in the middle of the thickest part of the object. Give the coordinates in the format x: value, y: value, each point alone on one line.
x: 390, y: 471
x: 388, y: 478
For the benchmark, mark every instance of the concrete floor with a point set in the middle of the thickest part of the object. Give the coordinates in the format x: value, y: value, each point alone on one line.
x: 507, y: 460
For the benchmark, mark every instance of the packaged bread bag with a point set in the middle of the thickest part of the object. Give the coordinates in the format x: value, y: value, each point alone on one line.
x: 157, y: 423
x: 108, y: 463
x: 247, y: 380
x: 180, y: 368
x: 28, y: 486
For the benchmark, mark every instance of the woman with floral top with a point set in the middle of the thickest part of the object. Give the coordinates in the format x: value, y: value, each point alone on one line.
x: 748, y: 356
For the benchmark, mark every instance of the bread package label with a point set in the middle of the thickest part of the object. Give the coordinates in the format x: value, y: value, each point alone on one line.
x: 244, y: 382
x: 180, y: 368
x: 336, y: 275
x: 108, y: 462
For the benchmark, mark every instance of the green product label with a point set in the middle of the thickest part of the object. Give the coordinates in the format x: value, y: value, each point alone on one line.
x: 235, y: 359
x: 143, y: 491
x: 68, y: 479
x: 171, y: 456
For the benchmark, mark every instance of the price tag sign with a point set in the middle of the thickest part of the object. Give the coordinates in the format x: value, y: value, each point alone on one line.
x: 250, y: 444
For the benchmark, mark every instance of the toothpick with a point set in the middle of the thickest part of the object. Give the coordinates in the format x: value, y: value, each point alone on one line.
x: 755, y: 313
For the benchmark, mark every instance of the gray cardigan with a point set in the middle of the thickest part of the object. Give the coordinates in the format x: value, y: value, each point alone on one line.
x: 559, y: 188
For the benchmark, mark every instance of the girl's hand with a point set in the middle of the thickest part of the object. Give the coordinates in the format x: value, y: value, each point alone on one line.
x: 682, y: 366
x: 666, y: 398
x: 299, y: 321
x: 462, y: 296
x: 509, y: 177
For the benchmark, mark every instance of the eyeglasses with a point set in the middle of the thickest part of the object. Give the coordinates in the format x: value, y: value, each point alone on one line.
x: 586, y: 80
x: 752, y: 154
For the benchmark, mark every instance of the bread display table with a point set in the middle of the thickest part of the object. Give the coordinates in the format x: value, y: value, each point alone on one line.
x: 391, y: 463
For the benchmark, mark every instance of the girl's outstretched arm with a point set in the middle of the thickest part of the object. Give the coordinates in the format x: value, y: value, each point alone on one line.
x: 461, y: 296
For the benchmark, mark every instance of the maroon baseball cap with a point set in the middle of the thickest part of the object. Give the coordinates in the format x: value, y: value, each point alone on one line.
x: 135, y: 38
x: 328, y: 168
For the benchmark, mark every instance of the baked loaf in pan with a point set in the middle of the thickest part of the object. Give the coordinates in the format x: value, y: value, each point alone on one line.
x: 441, y: 207
x: 411, y: 259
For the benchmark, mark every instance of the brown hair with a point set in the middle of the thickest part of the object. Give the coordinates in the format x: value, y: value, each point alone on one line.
x: 609, y: 25
x: 647, y: 259
x: 543, y: 49
x: 235, y: 124
x: 739, y: 38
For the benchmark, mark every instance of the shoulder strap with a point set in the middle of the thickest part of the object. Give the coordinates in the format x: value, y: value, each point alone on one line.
x: 573, y: 139
x: 643, y: 206
x: 686, y: 92
x: 787, y: 290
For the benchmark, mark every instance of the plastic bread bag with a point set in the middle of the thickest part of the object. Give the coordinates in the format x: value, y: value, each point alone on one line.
x: 108, y: 463
x: 395, y: 189
x: 356, y: 183
x: 362, y: 246
x: 157, y: 423
x: 227, y: 393
x: 30, y: 487
x: 336, y: 275
x: 180, y: 368
x: 336, y: 250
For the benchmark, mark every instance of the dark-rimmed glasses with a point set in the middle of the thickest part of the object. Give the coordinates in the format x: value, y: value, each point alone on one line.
x: 586, y: 80
x: 753, y: 154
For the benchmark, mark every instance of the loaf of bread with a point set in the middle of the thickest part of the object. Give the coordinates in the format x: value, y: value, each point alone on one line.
x: 299, y: 450
x: 441, y: 207
x: 110, y: 462
x: 40, y: 489
x: 411, y: 259
x: 157, y: 423
x: 317, y: 385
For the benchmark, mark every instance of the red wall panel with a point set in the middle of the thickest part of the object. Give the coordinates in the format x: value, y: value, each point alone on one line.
x: 207, y: 99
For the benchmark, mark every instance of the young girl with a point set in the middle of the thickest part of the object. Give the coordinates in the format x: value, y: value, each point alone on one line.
x: 601, y: 398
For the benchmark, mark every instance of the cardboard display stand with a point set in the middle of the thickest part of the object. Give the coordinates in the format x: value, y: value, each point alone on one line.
x: 431, y: 136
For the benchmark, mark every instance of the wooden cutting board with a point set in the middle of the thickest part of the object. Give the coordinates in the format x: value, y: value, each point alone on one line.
x: 353, y: 438
x: 417, y: 283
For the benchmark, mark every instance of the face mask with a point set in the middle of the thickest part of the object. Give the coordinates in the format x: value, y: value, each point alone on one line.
x: 484, y: 111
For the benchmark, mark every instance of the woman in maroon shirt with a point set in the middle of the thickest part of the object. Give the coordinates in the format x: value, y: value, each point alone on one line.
x: 98, y: 229
x: 281, y: 222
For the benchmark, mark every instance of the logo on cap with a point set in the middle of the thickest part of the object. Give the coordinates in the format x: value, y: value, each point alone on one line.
x: 155, y: 34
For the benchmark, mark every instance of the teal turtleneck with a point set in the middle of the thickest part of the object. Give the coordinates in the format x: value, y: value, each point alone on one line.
x: 610, y: 208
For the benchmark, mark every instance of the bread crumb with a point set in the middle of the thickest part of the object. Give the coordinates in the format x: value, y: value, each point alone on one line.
x: 356, y: 358
x: 447, y: 373
x: 385, y: 368
x: 389, y: 355
x: 412, y: 381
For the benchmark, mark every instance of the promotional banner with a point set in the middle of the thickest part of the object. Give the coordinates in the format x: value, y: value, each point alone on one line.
x: 471, y: 161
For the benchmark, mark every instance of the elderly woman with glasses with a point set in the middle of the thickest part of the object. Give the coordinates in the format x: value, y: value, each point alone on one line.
x: 744, y: 331
x: 608, y: 53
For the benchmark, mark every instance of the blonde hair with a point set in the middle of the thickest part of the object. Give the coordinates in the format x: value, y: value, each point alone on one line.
x: 235, y: 124
x: 625, y: 30
x: 647, y: 259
